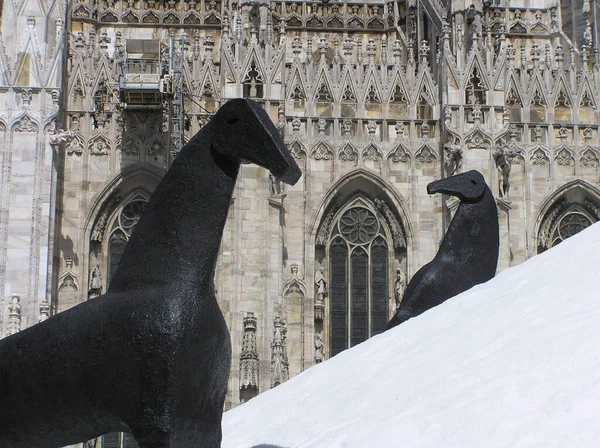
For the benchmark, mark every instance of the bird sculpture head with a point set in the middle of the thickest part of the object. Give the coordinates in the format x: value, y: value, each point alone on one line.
x: 242, y: 130
x: 468, y: 187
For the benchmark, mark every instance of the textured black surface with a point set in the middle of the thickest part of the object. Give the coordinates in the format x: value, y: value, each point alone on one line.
x: 152, y: 355
x: 468, y: 254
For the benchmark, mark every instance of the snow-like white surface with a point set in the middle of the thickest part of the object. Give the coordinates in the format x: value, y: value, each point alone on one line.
x: 511, y: 363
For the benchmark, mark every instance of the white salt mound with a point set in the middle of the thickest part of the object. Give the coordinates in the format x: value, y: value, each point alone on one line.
x: 514, y: 362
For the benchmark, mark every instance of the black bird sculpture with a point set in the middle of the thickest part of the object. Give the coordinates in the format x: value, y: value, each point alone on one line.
x: 468, y: 254
x: 151, y: 356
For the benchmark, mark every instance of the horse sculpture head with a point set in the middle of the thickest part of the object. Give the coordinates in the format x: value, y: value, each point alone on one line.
x: 242, y: 130
x: 468, y: 187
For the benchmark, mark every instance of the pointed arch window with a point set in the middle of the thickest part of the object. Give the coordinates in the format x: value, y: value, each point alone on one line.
x: 127, y: 217
x: 567, y: 216
x: 121, y: 231
x: 359, y: 271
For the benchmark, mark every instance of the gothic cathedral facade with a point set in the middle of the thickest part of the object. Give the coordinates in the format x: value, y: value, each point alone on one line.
x: 374, y: 99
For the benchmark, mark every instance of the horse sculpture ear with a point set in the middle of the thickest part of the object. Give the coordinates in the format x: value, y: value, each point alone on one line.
x: 468, y: 187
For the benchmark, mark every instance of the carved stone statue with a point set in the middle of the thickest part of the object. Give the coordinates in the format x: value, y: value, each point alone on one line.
x: 96, y: 280
x: 319, y: 348
x: 503, y: 166
x: 320, y: 284
x: 155, y: 347
x: 469, y: 251
x: 279, y: 359
x: 452, y: 158
x: 399, y: 284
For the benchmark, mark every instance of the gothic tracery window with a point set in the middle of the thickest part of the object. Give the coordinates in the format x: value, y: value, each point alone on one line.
x: 121, y: 231
x: 570, y: 214
x: 122, y: 228
x: 359, y: 265
x: 569, y: 225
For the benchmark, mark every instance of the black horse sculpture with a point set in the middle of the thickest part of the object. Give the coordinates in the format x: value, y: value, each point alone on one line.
x: 152, y: 355
x: 468, y: 254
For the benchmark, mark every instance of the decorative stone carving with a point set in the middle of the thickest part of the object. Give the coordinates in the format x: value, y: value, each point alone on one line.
x: 503, y: 165
x: 425, y: 130
x: 322, y: 152
x: 60, y: 136
x: 319, y: 348
x: 588, y: 134
x: 400, y: 154
x: 347, y: 128
x: 323, y: 233
x: 296, y: 124
x: 281, y: 120
x: 539, y: 157
x: 68, y: 282
x: 279, y: 359
x: 322, y: 126
x: 26, y: 97
x: 398, y: 235
x: 95, y: 286
x: 547, y: 226
x: 14, y: 315
x: 294, y: 284
x: 348, y: 153
x: 26, y: 124
x: 99, y: 148
x: 297, y: 150
x: 142, y: 132
x: 453, y: 155
x: 371, y: 153
x: 589, y: 159
x: 564, y: 158
x: 563, y: 133
x: 399, y: 127
x: 99, y: 228
x: 425, y: 155
x: 55, y: 95
x: 372, y: 128
x: 399, y: 285
x: 320, y: 293
x: 249, y: 365
x: 44, y: 309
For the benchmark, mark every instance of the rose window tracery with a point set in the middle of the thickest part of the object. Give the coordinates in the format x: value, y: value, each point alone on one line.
x: 570, y: 225
x: 358, y: 225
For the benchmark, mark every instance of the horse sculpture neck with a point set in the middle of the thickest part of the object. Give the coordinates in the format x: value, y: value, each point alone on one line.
x: 474, y: 227
x: 179, y: 234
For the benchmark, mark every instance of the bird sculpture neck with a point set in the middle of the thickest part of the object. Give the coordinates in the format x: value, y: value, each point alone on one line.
x: 179, y: 233
x: 474, y: 225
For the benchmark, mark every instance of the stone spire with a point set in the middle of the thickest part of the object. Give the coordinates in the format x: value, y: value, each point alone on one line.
x: 249, y: 371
